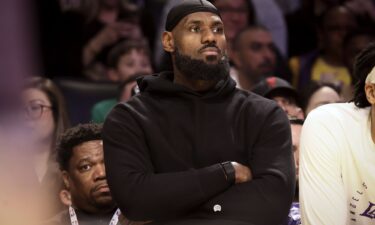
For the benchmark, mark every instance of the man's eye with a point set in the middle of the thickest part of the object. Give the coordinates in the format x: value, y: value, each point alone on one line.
x: 218, y: 30
x: 195, y: 29
x: 85, y: 167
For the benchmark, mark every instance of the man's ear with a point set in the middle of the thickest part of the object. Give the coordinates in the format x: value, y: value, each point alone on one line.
x: 370, y: 93
x: 168, y: 42
x: 65, y: 177
x: 65, y: 197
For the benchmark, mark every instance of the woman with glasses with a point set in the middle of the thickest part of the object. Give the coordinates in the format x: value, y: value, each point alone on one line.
x: 45, y: 119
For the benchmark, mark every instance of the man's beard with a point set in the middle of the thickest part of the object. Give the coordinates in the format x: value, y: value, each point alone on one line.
x: 196, y: 69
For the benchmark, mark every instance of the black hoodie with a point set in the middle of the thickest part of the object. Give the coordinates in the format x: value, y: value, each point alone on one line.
x: 163, y: 150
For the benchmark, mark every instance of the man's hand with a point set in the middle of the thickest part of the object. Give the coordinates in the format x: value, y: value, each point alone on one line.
x: 242, y: 173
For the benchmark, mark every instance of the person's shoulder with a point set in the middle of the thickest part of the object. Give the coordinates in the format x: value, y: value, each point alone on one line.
x: 343, y: 112
x: 257, y: 106
x: 256, y: 101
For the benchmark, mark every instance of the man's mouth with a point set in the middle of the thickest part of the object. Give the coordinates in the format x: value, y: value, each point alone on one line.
x: 102, y: 188
x: 210, y: 51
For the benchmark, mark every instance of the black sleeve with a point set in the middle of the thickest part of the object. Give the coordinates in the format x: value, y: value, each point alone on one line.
x: 266, y: 199
x: 142, y: 194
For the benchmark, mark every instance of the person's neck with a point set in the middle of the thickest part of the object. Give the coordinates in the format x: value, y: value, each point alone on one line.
x: 108, y: 15
x: 195, y: 85
x: 373, y: 122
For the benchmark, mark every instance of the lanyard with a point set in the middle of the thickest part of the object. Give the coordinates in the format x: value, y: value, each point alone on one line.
x: 74, y: 220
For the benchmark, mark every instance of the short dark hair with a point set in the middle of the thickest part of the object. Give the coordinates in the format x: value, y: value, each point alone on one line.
x: 236, y: 40
x: 125, y: 47
x: 74, y: 137
x: 363, y: 65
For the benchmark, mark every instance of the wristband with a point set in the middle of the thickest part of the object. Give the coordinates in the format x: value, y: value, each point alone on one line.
x: 230, y: 173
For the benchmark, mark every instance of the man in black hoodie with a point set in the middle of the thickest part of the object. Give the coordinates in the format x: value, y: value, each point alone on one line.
x: 181, y: 151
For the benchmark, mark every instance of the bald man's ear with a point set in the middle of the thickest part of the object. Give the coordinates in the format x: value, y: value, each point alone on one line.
x: 168, y: 43
x: 370, y: 93
x: 65, y: 177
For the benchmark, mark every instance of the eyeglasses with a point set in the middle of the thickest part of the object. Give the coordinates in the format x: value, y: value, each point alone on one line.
x: 35, y: 110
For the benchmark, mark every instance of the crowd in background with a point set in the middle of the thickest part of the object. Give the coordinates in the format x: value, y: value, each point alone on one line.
x: 299, y: 41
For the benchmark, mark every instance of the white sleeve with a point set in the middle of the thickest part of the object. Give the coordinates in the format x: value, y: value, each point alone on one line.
x: 322, y: 193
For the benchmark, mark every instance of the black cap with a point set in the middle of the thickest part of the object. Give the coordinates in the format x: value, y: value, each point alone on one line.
x: 275, y: 86
x: 185, y: 8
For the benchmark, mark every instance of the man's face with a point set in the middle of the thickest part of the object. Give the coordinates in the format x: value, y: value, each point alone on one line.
x: 255, y: 55
x: 86, y: 178
x: 296, y: 133
x: 235, y: 15
x: 198, y: 47
x: 200, y: 36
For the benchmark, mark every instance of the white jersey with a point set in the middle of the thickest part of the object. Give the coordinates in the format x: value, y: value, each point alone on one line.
x: 337, y: 167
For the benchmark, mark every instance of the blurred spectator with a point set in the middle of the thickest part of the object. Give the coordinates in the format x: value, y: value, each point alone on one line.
x: 45, y: 119
x: 107, y: 22
x: 317, y: 94
x: 326, y: 63
x: 283, y: 93
x: 253, y: 56
x: 126, y: 61
x: 76, y: 42
x: 128, y: 58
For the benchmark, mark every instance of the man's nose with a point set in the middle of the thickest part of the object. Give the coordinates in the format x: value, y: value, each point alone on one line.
x: 208, y: 36
x: 99, y: 172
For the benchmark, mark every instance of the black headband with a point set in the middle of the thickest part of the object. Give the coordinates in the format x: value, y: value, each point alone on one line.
x: 185, y: 8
